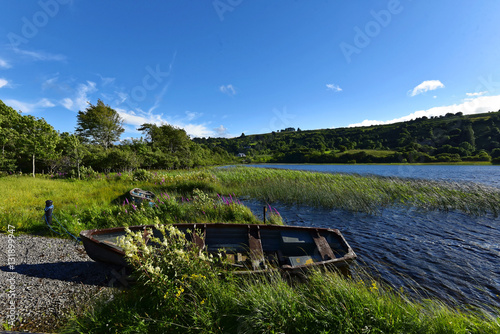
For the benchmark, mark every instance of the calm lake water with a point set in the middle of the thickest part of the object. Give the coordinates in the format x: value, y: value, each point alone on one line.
x: 448, y: 255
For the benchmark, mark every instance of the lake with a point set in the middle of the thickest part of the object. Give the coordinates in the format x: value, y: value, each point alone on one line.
x: 447, y: 255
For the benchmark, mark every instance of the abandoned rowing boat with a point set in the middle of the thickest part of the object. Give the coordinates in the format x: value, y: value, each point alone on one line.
x: 138, y: 195
x: 253, y: 248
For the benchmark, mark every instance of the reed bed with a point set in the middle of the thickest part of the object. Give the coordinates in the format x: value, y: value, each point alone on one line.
x: 357, y: 193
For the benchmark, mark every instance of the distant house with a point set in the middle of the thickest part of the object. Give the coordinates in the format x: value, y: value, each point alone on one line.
x: 288, y: 130
x: 241, y: 155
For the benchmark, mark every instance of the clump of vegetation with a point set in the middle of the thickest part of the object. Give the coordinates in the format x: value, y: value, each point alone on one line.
x: 142, y: 175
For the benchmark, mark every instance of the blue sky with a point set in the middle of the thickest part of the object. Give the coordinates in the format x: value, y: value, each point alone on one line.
x: 224, y: 67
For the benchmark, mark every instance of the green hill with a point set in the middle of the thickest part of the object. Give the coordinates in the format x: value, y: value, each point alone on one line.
x: 449, y: 138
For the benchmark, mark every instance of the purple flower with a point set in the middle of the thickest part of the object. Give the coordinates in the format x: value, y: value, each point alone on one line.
x: 127, y: 200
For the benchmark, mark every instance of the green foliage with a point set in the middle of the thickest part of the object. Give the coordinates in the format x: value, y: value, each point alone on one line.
x: 142, y: 175
x: 100, y: 124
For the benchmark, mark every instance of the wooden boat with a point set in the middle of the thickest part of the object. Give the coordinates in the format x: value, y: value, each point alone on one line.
x: 251, y: 248
x: 138, y: 195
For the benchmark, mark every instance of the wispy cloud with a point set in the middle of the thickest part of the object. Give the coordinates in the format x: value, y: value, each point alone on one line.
x: 4, y: 64
x: 426, y: 86
x: 228, y: 89
x: 159, y: 98
x: 476, y: 93
x: 40, y: 55
x: 80, y: 99
x: 333, y: 87
x: 3, y: 82
x: 106, y: 80
x: 190, y: 115
x: 477, y: 105
x: 27, y: 107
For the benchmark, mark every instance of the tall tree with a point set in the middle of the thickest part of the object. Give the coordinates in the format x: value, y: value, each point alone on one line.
x: 100, y: 124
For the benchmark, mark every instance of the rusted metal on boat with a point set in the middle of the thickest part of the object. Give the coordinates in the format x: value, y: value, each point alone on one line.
x: 138, y: 195
x: 250, y: 248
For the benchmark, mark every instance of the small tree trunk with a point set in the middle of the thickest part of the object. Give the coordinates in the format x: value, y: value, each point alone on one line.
x: 33, y: 164
x: 78, y: 167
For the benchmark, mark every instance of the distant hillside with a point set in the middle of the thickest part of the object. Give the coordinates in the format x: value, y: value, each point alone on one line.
x: 450, y: 138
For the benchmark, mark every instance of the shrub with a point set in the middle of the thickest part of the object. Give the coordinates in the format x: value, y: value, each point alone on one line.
x: 142, y: 175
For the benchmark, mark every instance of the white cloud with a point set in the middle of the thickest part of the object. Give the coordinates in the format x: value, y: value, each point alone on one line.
x: 4, y: 64
x: 26, y: 107
x: 334, y: 88
x: 477, y: 105
x: 426, y: 86
x: 3, y: 82
x: 80, y: 99
x: 228, y: 89
x: 476, y: 93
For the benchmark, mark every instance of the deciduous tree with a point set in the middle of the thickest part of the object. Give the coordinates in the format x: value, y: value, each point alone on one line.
x: 100, y: 124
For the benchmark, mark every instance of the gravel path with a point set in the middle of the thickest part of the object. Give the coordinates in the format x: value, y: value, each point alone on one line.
x: 44, y: 279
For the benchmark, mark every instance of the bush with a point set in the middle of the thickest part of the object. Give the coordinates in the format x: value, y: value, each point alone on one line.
x: 142, y: 175
x: 87, y: 173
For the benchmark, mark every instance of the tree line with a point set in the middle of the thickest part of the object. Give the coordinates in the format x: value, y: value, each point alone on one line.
x: 31, y: 145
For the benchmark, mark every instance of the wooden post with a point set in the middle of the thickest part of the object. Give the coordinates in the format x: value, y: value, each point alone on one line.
x: 265, y: 210
x: 48, y: 211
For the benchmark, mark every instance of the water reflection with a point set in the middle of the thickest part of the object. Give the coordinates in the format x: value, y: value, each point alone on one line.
x: 451, y: 256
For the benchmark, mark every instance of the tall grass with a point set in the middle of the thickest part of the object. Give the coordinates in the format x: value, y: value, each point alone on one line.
x: 357, y: 193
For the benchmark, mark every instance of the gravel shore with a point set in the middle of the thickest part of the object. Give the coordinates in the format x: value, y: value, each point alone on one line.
x: 44, y: 279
